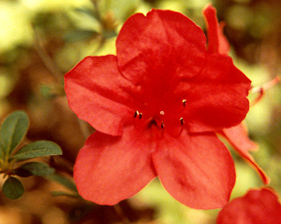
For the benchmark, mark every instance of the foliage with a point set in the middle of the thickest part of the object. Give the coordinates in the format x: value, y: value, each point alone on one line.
x: 12, y: 134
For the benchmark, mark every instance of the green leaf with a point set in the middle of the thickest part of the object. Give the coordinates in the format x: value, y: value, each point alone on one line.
x: 13, y: 188
x: 22, y: 172
x: 35, y: 168
x: 13, y: 130
x: 89, y: 12
x: 63, y: 181
x: 80, y: 35
x: 78, y: 212
x: 37, y: 149
x: 62, y: 193
x: 109, y: 33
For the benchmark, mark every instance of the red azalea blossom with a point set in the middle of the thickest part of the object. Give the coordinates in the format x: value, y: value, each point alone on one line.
x: 217, y: 42
x: 237, y: 135
x: 156, y: 107
x: 256, y: 207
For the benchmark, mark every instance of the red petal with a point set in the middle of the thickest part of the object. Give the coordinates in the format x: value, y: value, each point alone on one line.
x: 197, y: 170
x: 238, y: 138
x: 109, y: 169
x: 160, y: 45
x: 256, y: 207
x: 98, y: 94
x: 217, y: 43
x: 217, y: 96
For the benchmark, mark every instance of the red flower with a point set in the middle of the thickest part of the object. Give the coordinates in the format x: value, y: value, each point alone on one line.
x: 156, y: 106
x: 237, y: 135
x: 217, y: 42
x: 256, y: 207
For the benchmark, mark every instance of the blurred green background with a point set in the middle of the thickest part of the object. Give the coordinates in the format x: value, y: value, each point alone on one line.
x: 40, y: 40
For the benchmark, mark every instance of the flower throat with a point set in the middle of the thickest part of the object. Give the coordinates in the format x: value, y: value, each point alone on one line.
x: 173, y: 122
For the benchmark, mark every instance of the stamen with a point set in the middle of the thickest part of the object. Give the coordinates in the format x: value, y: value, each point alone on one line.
x: 184, y: 102
x: 162, y: 125
x: 140, y: 115
x: 162, y: 113
x: 259, y: 97
x: 265, y: 86
x: 182, y: 121
x: 182, y: 126
x: 261, y: 89
x: 136, y: 114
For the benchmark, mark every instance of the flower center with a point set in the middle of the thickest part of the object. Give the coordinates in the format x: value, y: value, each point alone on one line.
x: 171, y: 120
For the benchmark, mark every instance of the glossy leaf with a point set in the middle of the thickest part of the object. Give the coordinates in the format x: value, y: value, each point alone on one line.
x: 63, y: 181
x: 77, y: 213
x: 80, y: 35
x: 36, y: 168
x: 62, y: 193
x: 37, y: 149
x: 22, y: 172
x: 88, y: 12
x: 2, y: 152
x: 13, y: 188
x: 13, y: 130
